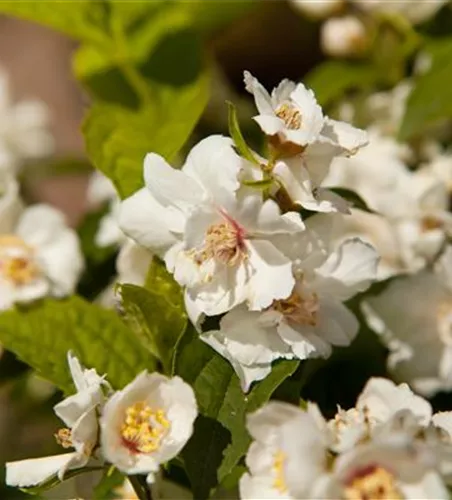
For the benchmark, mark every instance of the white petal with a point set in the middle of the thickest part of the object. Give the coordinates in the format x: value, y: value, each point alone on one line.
x: 312, y: 116
x: 351, y: 269
x: 132, y: 263
x: 144, y: 220
x: 269, y: 266
x: 170, y: 187
x: 261, y: 96
x: 35, y: 471
x: 282, y: 92
x: 346, y: 136
x: 269, y: 124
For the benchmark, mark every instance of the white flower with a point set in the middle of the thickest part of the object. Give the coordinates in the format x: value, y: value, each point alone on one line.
x: 305, y: 142
x: 79, y: 413
x: 287, y: 455
x: 416, y: 11
x: 293, y: 455
x: 132, y: 263
x: 220, y: 242
x: 344, y: 37
x: 414, y: 317
x: 39, y: 256
x: 311, y: 319
x: 147, y: 423
x: 378, y: 403
x: 318, y: 9
x: 24, y: 131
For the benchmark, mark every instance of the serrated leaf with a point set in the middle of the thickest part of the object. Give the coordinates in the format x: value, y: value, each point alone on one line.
x: 353, y: 198
x: 215, y: 448
x: 332, y: 79
x: 237, y: 137
x: 431, y: 98
x: 42, y: 334
x: 156, y: 314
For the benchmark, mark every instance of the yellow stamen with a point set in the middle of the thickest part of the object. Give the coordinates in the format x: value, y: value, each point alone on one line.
x: 279, y: 482
x: 17, y: 263
x: 144, y: 428
x: 299, y: 309
x: 224, y: 243
x: 290, y: 115
x: 64, y: 437
x: 372, y: 483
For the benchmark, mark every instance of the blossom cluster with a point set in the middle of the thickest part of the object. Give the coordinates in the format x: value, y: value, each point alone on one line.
x: 230, y: 230
x: 389, y: 446
x: 135, y: 429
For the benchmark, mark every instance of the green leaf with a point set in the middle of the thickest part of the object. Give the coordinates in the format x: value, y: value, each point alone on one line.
x: 156, y: 314
x: 84, y: 20
x: 332, y: 79
x: 42, y: 334
x: 111, y: 480
x: 117, y: 139
x: 353, y: 198
x: 431, y: 98
x: 237, y: 137
x: 220, y: 439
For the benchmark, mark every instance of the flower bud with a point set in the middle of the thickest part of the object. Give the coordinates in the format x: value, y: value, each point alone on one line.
x: 343, y: 37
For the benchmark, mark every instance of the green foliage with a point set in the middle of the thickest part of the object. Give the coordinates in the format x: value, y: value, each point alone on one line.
x: 41, y: 335
x: 156, y: 314
x: 431, y: 98
x: 331, y: 79
x: 237, y: 137
x: 220, y: 439
x: 111, y: 480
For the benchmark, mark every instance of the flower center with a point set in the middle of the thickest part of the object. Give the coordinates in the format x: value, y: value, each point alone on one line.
x: 17, y: 262
x: 299, y: 309
x: 143, y: 428
x: 224, y: 242
x: 372, y: 483
x: 64, y: 437
x: 430, y: 223
x: 290, y: 115
x: 279, y: 482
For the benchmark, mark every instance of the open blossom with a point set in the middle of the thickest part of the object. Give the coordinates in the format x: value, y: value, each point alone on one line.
x: 24, y: 133
x: 147, y: 423
x: 39, y: 255
x: 305, y: 140
x: 295, y: 453
x: 311, y: 319
x: 414, y: 317
x: 79, y: 414
x: 218, y: 240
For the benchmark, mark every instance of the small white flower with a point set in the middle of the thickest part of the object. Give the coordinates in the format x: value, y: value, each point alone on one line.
x: 344, y: 37
x: 39, y: 256
x: 79, y: 413
x: 414, y: 316
x: 220, y: 242
x: 24, y: 131
x: 147, y: 423
x: 318, y: 9
x: 311, y: 319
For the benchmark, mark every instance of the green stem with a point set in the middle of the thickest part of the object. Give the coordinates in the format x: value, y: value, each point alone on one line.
x: 141, y: 487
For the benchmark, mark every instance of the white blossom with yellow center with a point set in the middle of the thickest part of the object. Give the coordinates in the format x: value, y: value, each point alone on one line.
x: 311, y: 319
x: 147, y: 423
x: 219, y: 240
x: 79, y: 413
x: 39, y: 256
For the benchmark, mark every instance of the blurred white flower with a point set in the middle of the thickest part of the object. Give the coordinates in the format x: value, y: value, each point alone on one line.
x: 79, y: 413
x: 318, y: 9
x: 220, y: 242
x: 24, y: 133
x: 384, y: 448
x: 415, y: 11
x: 308, y: 322
x: 344, y: 37
x: 414, y: 317
x: 147, y: 423
x: 39, y: 256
